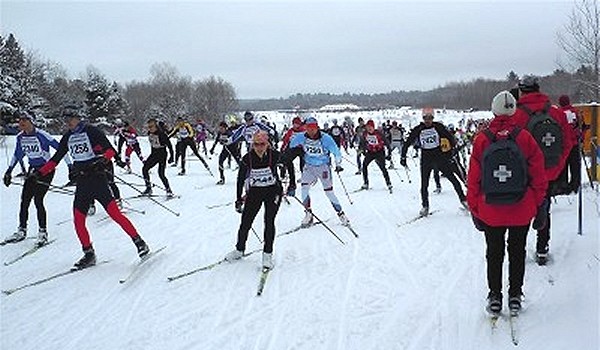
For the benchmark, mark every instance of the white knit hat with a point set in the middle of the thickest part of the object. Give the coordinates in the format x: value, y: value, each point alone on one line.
x: 504, y: 104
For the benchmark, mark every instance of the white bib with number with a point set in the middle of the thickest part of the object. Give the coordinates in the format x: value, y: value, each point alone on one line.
x: 262, y: 177
x: 154, y: 140
x: 31, y: 146
x: 429, y: 138
x: 372, y: 140
x: 80, y: 147
x: 313, y: 147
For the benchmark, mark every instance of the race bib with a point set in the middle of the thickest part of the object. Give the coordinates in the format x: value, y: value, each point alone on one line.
x: 313, y: 147
x: 429, y: 138
x: 372, y: 140
x: 336, y: 132
x: 182, y: 133
x: 31, y: 146
x: 262, y: 177
x: 80, y: 147
x: 154, y: 140
x: 249, y: 132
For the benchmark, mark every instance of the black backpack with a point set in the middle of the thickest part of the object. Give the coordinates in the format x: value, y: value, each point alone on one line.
x: 504, y: 174
x: 547, y: 133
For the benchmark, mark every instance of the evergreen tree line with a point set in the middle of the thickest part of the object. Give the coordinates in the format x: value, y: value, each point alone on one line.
x: 43, y: 88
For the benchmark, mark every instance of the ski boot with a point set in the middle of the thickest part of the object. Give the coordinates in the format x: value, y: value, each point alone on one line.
x: 343, y: 219
x: 42, y: 238
x: 364, y: 186
x: 437, y: 190
x: 142, y: 247
x: 308, y: 219
x: 424, y: 211
x: 147, y: 192
x: 88, y: 259
x: 234, y: 255
x: 514, y: 305
x: 390, y: 187
x: 358, y: 173
x: 18, y: 236
x: 169, y: 193
x: 221, y: 182
x: 181, y: 173
x: 494, y: 306
x: 91, y: 210
x: 267, y: 261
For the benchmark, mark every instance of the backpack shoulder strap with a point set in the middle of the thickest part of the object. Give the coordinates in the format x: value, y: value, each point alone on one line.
x: 515, y: 132
x: 489, y: 134
x: 525, y: 108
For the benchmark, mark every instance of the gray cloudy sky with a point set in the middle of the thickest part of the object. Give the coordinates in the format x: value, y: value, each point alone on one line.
x: 274, y: 49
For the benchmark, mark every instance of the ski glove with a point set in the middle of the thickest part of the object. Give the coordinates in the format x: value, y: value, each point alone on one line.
x: 239, y: 205
x: 403, y: 161
x: 541, y: 217
x: 338, y: 169
x: 7, y: 179
x: 479, y: 225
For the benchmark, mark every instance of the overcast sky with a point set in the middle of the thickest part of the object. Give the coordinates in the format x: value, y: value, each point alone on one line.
x: 275, y: 49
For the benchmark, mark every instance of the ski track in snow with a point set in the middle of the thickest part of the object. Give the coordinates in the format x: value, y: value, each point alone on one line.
x: 419, y: 286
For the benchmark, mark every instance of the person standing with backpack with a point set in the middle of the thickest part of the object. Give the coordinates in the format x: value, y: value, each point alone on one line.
x: 549, y: 127
x: 573, y: 168
x: 506, y: 186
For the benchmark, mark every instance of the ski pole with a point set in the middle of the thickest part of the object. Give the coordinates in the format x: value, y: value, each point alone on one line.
x: 152, y: 199
x: 344, y: 187
x: 407, y: 174
x: 349, y: 160
x: 397, y: 173
x: 256, y: 234
x: 320, y: 221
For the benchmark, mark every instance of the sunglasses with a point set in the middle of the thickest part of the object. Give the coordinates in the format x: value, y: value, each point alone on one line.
x: 260, y: 143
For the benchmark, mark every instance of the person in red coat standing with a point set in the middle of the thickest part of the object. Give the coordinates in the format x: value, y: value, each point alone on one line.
x: 375, y: 146
x: 571, y: 175
x: 505, y: 196
x: 531, y: 103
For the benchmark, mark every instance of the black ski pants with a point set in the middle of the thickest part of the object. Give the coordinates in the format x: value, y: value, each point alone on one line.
x: 35, y: 189
x: 379, y: 158
x: 182, y: 146
x: 495, y: 241
x: 157, y: 156
x: 271, y: 197
x: 442, y: 163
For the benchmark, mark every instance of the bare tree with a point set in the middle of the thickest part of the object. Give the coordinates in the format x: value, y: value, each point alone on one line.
x: 580, y: 40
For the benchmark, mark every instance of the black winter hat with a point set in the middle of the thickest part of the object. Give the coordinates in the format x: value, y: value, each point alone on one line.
x: 529, y: 83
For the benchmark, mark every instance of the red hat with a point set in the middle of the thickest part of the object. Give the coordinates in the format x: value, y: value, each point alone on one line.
x: 311, y: 122
x: 296, y: 120
x: 371, y: 123
x: 564, y: 100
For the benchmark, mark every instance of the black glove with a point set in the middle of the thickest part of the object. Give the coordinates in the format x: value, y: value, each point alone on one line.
x: 541, y: 217
x: 120, y: 163
x: 7, y: 178
x: 212, y: 151
x: 479, y: 225
x: 403, y: 161
x: 338, y: 169
x: 239, y: 205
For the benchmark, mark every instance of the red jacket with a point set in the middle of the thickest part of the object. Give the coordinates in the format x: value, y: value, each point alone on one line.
x: 517, y: 214
x: 536, y: 101
x: 573, y: 118
x: 285, y: 141
x: 374, y: 142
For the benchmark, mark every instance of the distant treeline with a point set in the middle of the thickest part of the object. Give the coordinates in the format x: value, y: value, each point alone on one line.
x: 475, y: 94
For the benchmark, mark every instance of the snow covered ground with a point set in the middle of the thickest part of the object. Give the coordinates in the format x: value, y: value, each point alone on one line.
x: 416, y: 286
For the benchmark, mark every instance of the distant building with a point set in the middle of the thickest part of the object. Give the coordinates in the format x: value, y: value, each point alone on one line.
x: 339, y: 107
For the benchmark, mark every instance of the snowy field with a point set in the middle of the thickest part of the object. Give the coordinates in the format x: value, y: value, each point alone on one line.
x: 415, y: 286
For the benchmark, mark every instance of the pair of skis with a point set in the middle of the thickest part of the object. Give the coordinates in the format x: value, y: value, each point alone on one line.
x: 28, y: 252
x: 416, y: 218
x: 134, y: 271
x: 513, y: 320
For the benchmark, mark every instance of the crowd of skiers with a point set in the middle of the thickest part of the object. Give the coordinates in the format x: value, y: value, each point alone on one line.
x: 528, y: 153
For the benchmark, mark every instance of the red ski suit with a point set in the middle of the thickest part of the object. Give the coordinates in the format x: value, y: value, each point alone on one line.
x: 517, y: 214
